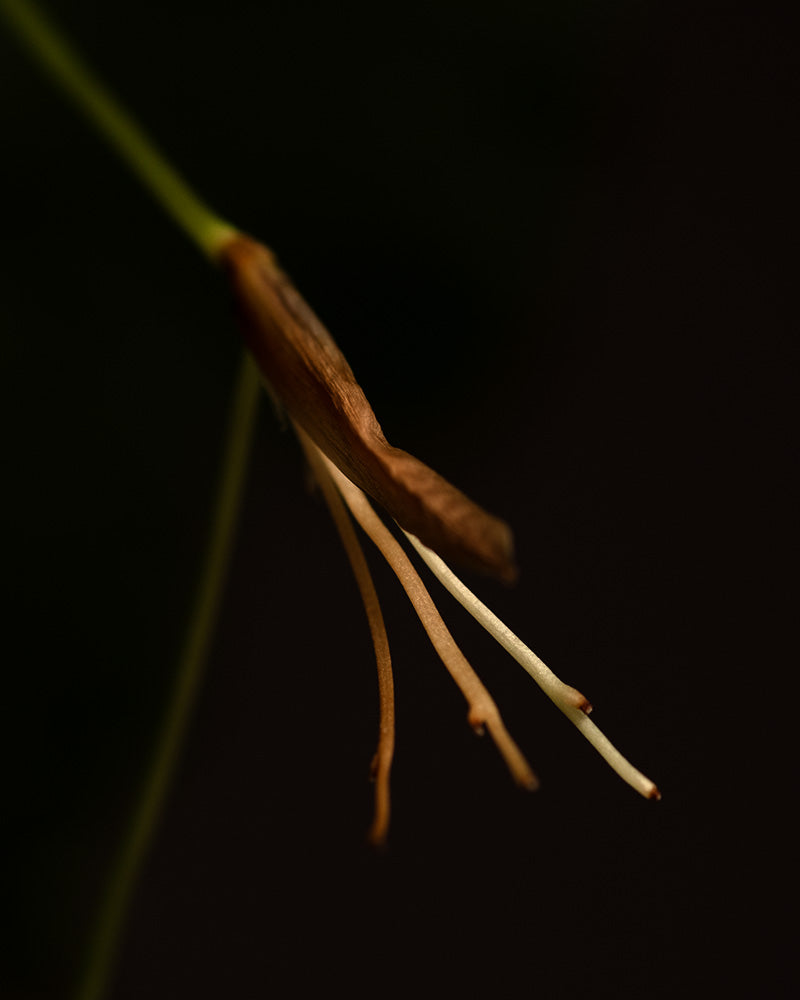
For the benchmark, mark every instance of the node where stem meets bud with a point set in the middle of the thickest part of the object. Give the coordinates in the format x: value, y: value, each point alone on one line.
x: 312, y: 379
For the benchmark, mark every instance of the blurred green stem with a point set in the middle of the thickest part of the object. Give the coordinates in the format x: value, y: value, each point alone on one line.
x: 70, y: 74
x: 196, y: 645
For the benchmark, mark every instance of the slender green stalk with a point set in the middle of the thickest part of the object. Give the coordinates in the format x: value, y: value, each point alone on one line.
x: 70, y: 74
x: 58, y: 57
x: 197, y: 640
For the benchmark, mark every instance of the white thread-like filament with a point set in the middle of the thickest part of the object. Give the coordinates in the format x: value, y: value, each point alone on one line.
x: 571, y: 702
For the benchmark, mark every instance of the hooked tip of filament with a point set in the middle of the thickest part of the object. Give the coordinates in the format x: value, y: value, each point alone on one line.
x: 654, y: 794
x: 378, y: 839
x: 574, y: 698
x: 476, y: 720
x: 530, y: 782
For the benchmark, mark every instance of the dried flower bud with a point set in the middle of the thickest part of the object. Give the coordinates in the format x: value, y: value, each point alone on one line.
x: 313, y: 380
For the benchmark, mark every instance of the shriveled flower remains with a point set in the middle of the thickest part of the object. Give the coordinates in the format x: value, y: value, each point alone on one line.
x: 352, y: 460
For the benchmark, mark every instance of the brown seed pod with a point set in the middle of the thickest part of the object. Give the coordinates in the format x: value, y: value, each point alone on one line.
x: 313, y: 380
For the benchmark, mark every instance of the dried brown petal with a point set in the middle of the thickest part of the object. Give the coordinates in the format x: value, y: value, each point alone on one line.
x: 313, y: 380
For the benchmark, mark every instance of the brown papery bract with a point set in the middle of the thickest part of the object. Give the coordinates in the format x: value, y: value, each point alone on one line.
x: 314, y: 382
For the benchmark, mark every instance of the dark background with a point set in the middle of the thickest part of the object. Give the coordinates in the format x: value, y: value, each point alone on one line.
x: 552, y: 240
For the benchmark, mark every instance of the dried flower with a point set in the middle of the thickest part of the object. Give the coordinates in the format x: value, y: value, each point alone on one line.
x: 350, y: 457
x: 312, y: 379
x: 348, y: 453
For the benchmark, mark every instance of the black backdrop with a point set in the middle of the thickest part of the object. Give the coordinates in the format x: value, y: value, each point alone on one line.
x: 549, y: 237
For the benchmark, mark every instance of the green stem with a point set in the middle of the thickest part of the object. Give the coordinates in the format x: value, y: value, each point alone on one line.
x: 209, y: 232
x: 197, y: 640
x: 57, y: 56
